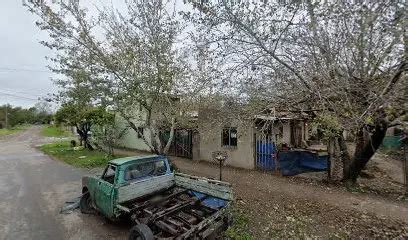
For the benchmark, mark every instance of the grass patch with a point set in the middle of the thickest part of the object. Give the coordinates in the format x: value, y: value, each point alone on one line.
x: 15, y: 129
x: 77, y: 157
x: 4, y: 131
x: 239, y: 230
x: 54, y: 131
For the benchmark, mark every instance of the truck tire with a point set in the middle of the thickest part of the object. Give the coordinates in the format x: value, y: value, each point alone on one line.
x: 85, y: 204
x: 141, y: 232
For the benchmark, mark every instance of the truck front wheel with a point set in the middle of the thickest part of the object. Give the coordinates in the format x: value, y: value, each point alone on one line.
x: 141, y: 232
x: 85, y: 204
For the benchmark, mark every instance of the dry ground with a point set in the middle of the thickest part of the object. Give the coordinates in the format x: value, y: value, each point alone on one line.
x: 34, y: 187
x: 277, y: 207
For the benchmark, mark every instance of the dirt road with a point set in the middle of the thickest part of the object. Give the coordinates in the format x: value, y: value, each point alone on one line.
x: 33, y: 188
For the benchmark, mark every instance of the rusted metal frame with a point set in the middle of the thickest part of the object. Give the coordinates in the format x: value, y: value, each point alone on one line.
x: 208, y: 210
x: 204, y: 223
x: 172, y: 226
x: 192, y: 214
x: 210, y: 230
x: 178, y: 224
x: 172, y: 200
x: 155, y: 218
x: 166, y: 227
x: 177, y: 207
x: 196, y: 215
x: 147, y: 211
x: 185, y: 221
x: 173, y: 209
x: 150, y: 202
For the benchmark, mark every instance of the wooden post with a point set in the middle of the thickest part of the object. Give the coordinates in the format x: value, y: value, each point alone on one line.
x: 221, y: 170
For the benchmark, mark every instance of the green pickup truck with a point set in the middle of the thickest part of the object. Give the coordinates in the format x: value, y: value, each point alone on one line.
x: 160, y: 203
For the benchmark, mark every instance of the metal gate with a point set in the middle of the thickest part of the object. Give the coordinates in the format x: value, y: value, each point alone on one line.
x: 182, y: 144
x: 265, y: 155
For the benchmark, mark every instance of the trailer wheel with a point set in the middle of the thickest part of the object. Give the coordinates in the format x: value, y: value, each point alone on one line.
x: 141, y: 232
x: 85, y: 204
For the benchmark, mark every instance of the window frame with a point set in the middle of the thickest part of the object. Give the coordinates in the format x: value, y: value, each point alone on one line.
x: 106, y: 170
x: 229, y: 145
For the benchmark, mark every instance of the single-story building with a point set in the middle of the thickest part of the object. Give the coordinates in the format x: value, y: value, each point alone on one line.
x: 246, y: 141
x: 249, y: 142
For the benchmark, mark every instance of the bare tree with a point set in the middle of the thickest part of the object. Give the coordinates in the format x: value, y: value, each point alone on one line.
x: 130, y: 58
x: 345, y: 61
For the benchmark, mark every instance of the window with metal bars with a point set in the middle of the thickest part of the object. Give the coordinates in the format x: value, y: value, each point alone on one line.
x: 229, y: 137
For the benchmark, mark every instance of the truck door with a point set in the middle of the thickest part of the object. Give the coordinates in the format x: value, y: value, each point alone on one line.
x: 104, y: 190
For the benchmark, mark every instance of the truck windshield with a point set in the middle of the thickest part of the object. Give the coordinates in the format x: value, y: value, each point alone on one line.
x: 145, y: 169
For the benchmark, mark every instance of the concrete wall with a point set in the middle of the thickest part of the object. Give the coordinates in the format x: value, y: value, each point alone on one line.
x: 210, y: 134
x: 279, y: 132
x: 130, y: 138
x: 286, y: 132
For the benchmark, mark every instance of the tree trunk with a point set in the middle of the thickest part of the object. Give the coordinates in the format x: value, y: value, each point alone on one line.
x: 170, y: 140
x: 87, y: 144
x: 335, y: 171
x: 83, y: 136
x: 339, y: 158
x: 155, y: 138
x: 366, y: 146
x: 79, y: 131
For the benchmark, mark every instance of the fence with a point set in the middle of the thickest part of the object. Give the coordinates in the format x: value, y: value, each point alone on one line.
x: 182, y: 144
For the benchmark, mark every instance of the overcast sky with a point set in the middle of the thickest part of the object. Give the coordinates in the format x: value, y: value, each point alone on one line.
x: 24, y: 76
x: 23, y: 73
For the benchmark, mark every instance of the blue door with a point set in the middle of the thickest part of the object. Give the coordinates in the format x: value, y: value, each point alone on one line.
x: 265, y: 154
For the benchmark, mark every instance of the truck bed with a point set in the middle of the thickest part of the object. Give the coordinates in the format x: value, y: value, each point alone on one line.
x: 192, y: 206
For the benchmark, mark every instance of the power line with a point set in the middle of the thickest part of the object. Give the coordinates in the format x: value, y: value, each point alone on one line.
x: 23, y: 70
x: 17, y: 96
x: 12, y: 91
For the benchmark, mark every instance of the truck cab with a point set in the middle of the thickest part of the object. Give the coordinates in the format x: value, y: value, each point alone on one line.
x: 119, y: 179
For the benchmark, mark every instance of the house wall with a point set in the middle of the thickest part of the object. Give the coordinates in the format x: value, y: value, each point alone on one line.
x: 210, y: 134
x: 274, y: 131
x: 286, y: 132
x: 130, y: 138
x: 277, y: 136
x: 305, y: 130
